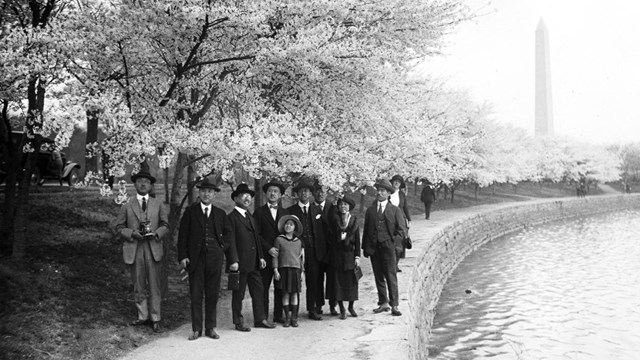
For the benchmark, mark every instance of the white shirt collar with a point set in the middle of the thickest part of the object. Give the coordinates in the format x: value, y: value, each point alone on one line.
x: 242, y: 211
x: 140, y: 197
x: 303, y: 205
x: 383, y: 204
x: 203, y: 206
x: 321, y: 203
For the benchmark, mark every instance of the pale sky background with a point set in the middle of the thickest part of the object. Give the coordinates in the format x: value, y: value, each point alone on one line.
x: 595, y: 64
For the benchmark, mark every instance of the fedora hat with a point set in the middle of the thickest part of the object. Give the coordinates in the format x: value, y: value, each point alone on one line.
x: 242, y: 189
x: 304, y: 183
x: 348, y: 200
x: 273, y: 182
x: 143, y: 173
x: 283, y: 220
x: 385, y: 184
x: 207, y: 183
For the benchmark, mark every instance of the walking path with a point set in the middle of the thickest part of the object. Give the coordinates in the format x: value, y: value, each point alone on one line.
x: 369, y: 336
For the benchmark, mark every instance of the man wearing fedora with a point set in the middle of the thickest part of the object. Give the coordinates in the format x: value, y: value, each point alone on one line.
x: 267, y: 217
x: 329, y: 219
x: 245, y: 255
x: 201, y: 249
x: 384, y: 227
x: 143, y: 223
x: 315, y: 245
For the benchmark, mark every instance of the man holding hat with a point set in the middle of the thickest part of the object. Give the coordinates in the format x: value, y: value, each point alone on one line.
x: 267, y: 217
x: 201, y: 248
x: 315, y: 245
x: 384, y: 227
x: 143, y: 223
x: 245, y: 255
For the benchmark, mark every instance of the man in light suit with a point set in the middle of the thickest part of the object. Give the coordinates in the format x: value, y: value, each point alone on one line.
x: 201, y: 249
x: 315, y: 245
x: 245, y: 255
x: 267, y: 217
x: 384, y: 227
x: 143, y: 223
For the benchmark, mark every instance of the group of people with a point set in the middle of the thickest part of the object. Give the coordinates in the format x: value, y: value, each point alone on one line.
x: 312, y: 238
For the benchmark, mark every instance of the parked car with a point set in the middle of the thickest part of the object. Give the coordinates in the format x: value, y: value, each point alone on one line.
x: 51, y: 163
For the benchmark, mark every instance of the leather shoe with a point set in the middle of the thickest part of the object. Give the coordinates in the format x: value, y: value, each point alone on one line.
x: 140, y: 322
x: 314, y: 316
x: 279, y: 321
x: 334, y: 312
x: 194, y: 335
x: 156, y: 327
x: 211, y: 333
x: 242, y: 328
x: 395, y: 311
x: 398, y: 270
x: 381, y: 308
x: 352, y: 312
x: 343, y: 315
x: 264, y: 324
x: 319, y: 310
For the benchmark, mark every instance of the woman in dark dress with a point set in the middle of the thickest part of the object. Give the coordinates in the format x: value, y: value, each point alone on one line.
x: 345, y: 257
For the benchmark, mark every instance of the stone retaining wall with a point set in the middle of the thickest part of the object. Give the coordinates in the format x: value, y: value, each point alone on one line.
x: 450, y: 246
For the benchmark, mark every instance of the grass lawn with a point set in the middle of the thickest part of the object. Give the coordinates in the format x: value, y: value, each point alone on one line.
x: 71, y: 297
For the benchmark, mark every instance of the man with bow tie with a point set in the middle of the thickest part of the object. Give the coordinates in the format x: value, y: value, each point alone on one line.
x: 314, y: 243
x: 267, y: 217
x: 245, y: 255
x: 201, y: 248
x: 143, y: 223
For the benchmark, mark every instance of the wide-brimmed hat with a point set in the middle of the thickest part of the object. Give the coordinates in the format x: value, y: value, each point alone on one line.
x: 208, y: 183
x: 385, y: 184
x: 242, y: 189
x: 348, y: 200
x: 304, y: 183
x: 143, y: 173
x: 397, y: 178
x: 273, y: 182
x: 283, y: 220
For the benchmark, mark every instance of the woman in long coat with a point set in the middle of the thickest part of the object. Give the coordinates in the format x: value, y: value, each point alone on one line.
x: 399, y: 199
x: 345, y: 257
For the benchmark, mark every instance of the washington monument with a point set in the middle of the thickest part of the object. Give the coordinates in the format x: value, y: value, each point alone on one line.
x: 544, y: 105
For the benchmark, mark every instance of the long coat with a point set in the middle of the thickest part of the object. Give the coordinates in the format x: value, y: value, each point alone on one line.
x: 245, y: 246
x: 345, y: 251
x: 129, y: 219
x: 395, y: 222
x: 317, y: 222
x: 192, y: 233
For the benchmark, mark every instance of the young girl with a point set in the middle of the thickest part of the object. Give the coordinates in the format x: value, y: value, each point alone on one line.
x: 288, y: 265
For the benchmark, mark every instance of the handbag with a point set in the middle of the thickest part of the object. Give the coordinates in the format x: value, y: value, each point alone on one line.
x: 358, y: 272
x: 408, y: 244
x: 233, y: 282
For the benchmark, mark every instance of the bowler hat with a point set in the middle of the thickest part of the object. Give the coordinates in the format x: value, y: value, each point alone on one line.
x: 283, y: 220
x: 143, y: 173
x: 273, y: 182
x: 385, y: 184
x: 207, y: 183
x: 242, y: 189
x: 348, y: 200
x: 304, y: 183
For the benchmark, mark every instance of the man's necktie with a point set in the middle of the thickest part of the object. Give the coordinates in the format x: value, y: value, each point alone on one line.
x: 304, y: 210
x: 206, y: 213
x: 380, y: 209
x: 275, y: 207
x: 144, y: 204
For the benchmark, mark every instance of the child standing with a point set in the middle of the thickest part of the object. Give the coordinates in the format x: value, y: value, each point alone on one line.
x: 288, y: 265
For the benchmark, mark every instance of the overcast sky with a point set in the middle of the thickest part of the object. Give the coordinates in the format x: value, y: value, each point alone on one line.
x: 595, y: 64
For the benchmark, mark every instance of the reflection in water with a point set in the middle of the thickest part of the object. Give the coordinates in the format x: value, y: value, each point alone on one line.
x: 564, y: 291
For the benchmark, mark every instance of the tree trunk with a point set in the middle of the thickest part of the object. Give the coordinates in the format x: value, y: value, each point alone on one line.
x: 259, y: 199
x: 452, y: 192
x: 166, y: 185
x: 191, y: 177
x: 12, y: 158
x: 476, y: 191
x: 91, y: 164
x: 361, y: 202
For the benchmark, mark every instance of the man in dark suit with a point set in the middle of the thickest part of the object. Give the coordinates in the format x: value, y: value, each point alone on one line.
x: 245, y: 255
x: 329, y: 214
x: 143, y: 223
x: 384, y: 227
x: 315, y: 245
x: 201, y: 248
x: 427, y: 196
x: 267, y: 217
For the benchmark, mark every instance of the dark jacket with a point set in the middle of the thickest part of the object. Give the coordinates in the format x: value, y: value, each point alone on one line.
x: 267, y: 227
x: 245, y: 246
x: 427, y: 195
x: 395, y: 222
x: 403, y: 205
x: 345, y: 251
x: 317, y: 229
x: 192, y: 232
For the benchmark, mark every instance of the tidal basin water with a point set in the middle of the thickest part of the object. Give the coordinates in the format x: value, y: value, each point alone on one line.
x: 562, y: 291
